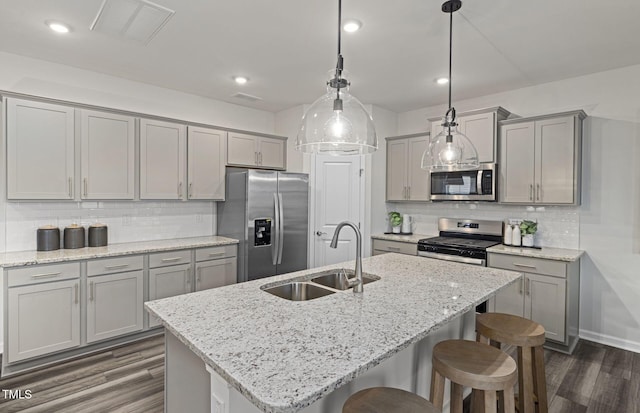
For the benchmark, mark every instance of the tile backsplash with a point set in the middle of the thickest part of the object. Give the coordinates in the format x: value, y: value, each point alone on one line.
x: 557, y: 226
x: 126, y: 221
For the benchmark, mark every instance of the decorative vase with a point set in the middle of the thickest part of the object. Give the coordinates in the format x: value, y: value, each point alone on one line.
x: 395, y: 230
x: 527, y: 240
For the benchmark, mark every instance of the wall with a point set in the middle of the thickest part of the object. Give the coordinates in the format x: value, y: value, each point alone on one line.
x: 127, y: 221
x: 607, y: 224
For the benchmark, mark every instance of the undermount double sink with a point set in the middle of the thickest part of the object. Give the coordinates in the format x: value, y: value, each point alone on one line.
x: 319, y: 285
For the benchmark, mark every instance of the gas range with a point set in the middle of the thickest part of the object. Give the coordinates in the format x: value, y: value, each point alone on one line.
x: 462, y: 240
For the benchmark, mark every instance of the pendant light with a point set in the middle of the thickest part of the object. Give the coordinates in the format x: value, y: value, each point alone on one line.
x: 337, y: 123
x: 450, y: 150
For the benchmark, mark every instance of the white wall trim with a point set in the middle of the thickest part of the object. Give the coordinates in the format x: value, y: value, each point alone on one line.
x: 610, y: 340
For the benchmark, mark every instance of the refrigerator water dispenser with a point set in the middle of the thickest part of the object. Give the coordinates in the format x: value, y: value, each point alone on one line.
x: 262, y: 234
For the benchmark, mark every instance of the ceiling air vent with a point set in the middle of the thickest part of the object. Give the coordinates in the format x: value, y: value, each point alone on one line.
x: 138, y: 20
x: 245, y: 96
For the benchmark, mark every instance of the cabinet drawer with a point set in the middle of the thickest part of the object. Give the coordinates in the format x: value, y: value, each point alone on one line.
x: 162, y: 259
x: 528, y: 264
x: 112, y: 265
x: 42, y: 273
x: 394, y: 246
x: 214, y: 253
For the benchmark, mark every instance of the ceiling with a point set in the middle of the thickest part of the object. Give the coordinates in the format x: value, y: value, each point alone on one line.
x: 286, y: 47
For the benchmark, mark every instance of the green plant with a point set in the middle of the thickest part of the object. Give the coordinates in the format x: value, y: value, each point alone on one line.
x: 395, y: 218
x: 528, y: 227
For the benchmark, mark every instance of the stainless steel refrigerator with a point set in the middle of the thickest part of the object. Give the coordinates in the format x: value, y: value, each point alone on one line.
x: 268, y: 212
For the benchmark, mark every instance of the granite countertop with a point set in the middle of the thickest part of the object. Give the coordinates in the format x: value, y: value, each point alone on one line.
x: 559, y: 254
x: 411, y: 239
x: 284, y: 355
x: 22, y: 258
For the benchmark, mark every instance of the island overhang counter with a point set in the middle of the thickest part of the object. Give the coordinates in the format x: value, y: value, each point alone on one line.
x: 264, y: 353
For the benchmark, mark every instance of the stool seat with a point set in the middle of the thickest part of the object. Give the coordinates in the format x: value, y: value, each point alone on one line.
x: 387, y: 400
x: 510, y: 329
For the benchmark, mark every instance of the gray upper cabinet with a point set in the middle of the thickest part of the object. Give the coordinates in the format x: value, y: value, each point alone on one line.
x: 481, y: 127
x: 256, y: 151
x: 406, y: 180
x: 107, y: 155
x: 40, y: 150
x: 540, y: 161
x: 206, y: 149
x: 162, y: 160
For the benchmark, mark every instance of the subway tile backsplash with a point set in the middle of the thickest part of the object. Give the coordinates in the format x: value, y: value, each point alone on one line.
x: 558, y: 227
x: 126, y: 221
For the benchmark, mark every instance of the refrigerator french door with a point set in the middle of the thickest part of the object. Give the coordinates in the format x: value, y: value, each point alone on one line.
x: 268, y: 212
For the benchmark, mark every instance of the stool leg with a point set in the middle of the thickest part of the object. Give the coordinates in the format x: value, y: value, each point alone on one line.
x: 456, y: 398
x: 490, y: 401
x: 477, y: 401
x: 540, y: 382
x: 481, y: 339
x: 437, y: 389
x: 525, y: 380
x: 508, y: 400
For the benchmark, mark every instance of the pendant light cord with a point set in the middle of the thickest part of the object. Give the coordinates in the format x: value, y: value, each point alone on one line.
x: 339, y: 64
x: 451, y: 111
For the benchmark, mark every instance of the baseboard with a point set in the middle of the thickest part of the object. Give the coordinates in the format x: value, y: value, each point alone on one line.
x: 610, y: 340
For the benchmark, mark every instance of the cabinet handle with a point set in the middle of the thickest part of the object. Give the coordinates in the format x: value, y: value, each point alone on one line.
x: 186, y: 276
x: 527, y: 288
x: 393, y: 248
x: 76, y: 293
x: 85, y: 186
x: 190, y: 189
x: 180, y: 190
x: 530, y: 192
x: 216, y: 254
x: 521, y: 284
x: 538, y: 192
x: 46, y: 275
x: 260, y: 158
x: 115, y: 267
x: 90, y: 290
x: 255, y: 155
x: 524, y: 265
x: 198, y: 278
x: 408, y: 192
x: 70, y: 188
x: 171, y: 259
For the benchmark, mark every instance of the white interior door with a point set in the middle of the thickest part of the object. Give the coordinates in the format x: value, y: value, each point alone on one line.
x: 337, y: 197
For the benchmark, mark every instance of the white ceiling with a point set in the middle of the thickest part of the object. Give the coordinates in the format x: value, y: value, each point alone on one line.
x: 286, y: 47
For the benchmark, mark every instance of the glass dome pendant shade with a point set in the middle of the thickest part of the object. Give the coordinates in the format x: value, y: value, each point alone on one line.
x: 450, y: 150
x: 337, y: 123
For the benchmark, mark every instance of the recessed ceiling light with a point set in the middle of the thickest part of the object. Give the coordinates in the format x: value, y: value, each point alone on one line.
x: 442, y: 80
x: 241, y: 80
x: 352, y: 25
x: 58, y: 27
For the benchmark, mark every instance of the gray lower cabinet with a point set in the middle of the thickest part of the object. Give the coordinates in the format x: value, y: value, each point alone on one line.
x: 381, y: 246
x: 114, y: 305
x: 216, y: 273
x: 547, y: 293
x: 167, y: 282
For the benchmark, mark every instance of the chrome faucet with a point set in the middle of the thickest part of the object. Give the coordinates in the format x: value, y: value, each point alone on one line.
x: 357, y: 282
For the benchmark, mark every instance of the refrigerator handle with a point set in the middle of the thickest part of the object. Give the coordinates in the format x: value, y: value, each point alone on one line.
x: 275, y: 244
x: 280, y: 228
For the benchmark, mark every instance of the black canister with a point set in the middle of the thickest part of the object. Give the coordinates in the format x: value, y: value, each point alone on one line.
x: 48, y: 238
x: 74, y: 237
x: 98, y: 235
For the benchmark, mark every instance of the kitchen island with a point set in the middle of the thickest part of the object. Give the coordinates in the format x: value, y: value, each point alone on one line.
x: 241, y: 349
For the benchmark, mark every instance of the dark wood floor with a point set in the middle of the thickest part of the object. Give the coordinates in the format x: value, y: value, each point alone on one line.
x: 595, y: 379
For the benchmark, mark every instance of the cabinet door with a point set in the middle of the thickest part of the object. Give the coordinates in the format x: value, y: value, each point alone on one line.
x: 271, y: 153
x: 40, y: 150
x: 417, y: 178
x: 481, y: 131
x: 162, y: 156
x: 168, y: 282
x: 216, y: 273
x: 396, y: 170
x: 242, y: 149
x: 205, y: 162
x: 555, y: 167
x: 545, y: 299
x: 114, y: 305
x: 107, y: 155
x: 42, y: 319
x: 511, y: 299
x: 517, y: 148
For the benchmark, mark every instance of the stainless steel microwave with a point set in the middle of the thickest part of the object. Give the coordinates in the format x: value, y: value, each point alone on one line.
x: 472, y: 185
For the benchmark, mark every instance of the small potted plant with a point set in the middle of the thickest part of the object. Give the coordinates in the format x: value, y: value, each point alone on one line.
x: 527, y: 229
x: 396, y: 221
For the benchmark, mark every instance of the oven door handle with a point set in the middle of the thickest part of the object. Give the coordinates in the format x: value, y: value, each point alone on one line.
x: 454, y: 258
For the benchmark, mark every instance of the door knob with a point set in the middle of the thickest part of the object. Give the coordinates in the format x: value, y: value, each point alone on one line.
x: 320, y: 233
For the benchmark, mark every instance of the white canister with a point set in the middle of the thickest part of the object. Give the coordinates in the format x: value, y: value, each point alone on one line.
x: 516, y: 238
x: 508, y: 235
x: 406, y: 223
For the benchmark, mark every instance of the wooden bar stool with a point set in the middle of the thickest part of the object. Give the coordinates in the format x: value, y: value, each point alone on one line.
x: 387, y: 400
x: 475, y: 365
x: 529, y: 337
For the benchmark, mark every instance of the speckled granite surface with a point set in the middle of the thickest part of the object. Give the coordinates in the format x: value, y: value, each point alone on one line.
x: 21, y: 258
x: 284, y: 355
x: 412, y: 239
x: 559, y: 254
